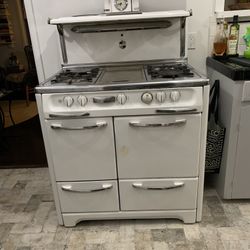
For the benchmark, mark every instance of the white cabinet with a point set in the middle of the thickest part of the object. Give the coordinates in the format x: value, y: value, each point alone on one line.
x: 241, y: 183
x: 233, y: 180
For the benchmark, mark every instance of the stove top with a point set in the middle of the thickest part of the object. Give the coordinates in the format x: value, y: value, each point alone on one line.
x: 122, y: 76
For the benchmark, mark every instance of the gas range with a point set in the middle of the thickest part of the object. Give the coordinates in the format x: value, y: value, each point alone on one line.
x: 123, y: 76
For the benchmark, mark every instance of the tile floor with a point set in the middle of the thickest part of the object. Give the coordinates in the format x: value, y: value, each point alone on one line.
x: 28, y: 221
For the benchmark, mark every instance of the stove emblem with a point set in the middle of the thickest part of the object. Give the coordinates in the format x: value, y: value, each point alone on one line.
x: 121, y: 6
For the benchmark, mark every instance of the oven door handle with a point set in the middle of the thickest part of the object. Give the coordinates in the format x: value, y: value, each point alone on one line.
x: 177, y: 123
x: 175, y: 185
x: 176, y: 111
x: 54, y: 116
x: 98, y: 125
x: 69, y: 188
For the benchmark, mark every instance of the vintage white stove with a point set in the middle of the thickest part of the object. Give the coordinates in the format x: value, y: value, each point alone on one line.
x: 125, y: 140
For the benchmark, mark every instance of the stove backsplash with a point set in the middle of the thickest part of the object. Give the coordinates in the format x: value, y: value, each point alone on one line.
x: 140, y: 45
x: 96, y: 47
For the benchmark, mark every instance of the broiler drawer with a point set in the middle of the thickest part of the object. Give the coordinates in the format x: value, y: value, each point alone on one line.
x: 164, y: 194
x: 81, y: 197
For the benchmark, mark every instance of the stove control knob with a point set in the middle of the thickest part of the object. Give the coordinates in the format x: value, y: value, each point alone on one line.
x: 175, y: 96
x: 68, y: 101
x: 147, y: 98
x: 161, y: 97
x: 122, y: 99
x: 82, y: 100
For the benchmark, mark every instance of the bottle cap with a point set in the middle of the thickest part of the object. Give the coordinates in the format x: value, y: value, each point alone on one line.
x: 236, y: 19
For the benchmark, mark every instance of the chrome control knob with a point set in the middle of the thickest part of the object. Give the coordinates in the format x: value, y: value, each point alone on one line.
x: 175, y: 96
x: 68, y: 101
x: 122, y: 99
x: 147, y: 98
x: 82, y: 100
x: 161, y: 97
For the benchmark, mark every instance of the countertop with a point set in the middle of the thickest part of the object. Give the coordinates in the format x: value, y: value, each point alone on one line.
x: 235, y: 68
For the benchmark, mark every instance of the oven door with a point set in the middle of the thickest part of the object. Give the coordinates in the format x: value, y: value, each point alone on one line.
x: 158, y: 146
x: 82, y: 149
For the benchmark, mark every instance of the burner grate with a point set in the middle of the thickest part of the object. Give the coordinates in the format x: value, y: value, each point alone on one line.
x: 76, y: 76
x: 169, y: 71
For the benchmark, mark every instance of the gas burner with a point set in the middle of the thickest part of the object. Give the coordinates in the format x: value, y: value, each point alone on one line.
x: 76, y: 76
x: 169, y: 71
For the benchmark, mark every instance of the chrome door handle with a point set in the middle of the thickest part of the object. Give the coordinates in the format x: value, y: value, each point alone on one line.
x: 104, y: 99
x: 174, y: 111
x: 175, y: 185
x: 157, y: 125
x: 95, y: 126
x: 68, y: 116
x: 69, y: 188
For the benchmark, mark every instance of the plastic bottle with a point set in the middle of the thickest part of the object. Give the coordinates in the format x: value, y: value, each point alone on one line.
x: 247, y: 40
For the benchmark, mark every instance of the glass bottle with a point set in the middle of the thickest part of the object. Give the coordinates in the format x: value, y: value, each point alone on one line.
x: 233, y: 38
x: 220, y: 42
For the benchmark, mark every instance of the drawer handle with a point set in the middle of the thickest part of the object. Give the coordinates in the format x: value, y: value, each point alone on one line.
x: 175, y: 185
x: 96, y: 126
x: 177, y: 111
x: 105, y: 99
x: 104, y: 187
x: 68, y: 116
x: 157, y: 125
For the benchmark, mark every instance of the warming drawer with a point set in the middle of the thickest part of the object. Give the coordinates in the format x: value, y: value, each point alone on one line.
x: 81, y: 197
x: 82, y: 149
x: 158, y: 146
x: 165, y: 194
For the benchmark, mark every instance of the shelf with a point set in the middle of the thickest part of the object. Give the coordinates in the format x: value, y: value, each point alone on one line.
x: 4, y: 15
x: 231, y: 13
x: 6, y: 43
x: 125, y: 18
x: 6, y: 34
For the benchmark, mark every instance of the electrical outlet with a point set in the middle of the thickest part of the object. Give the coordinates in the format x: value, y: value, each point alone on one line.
x: 192, y: 40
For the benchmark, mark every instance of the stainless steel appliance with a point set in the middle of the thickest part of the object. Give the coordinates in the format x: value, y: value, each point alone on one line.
x: 125, y: 140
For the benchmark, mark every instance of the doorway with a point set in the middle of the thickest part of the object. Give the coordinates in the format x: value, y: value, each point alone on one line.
x: 21, y: 143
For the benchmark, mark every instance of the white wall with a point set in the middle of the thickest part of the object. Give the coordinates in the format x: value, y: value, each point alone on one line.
x: 203, y: 14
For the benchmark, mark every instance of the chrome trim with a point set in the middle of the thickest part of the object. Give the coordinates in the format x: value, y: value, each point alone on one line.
x: 157, y: 125
x: 56, y: 116
x: 126, y: 63
x: 98, y: 125
x: 104, y: 99
x: 62, y: 43
x: 109, y: 27
x: 123, y: 86
x: 69, y: 188
x: 175, y: 111
x: 183, y: 37
x: 175, y: 185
